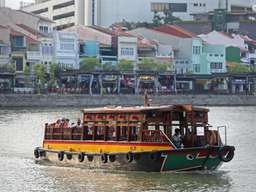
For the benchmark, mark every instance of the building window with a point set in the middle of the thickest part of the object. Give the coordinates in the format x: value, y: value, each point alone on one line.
x: 44, y: 29
x: 64, y: 15
x: 67, y: 44
x: 37, y: 12
x: 18, y: 63
x: 196, y: 50
x: 93, y: 12
x: 59, y: 6
x: 127, y: 51
x: 197, y: 68
x: 18, y: 41
x: 216, y: 55
x: 174, y: 7
x: 216, y: 65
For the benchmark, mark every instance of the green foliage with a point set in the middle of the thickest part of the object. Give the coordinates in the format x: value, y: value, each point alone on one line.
x: 238, y: 68
x: 152, y: 65
x: 162, y: 66
x: 125, y: 65
x: 27, y: 74
x: 40, y: 74
x: 53, y: 74
x: 157, y: 19
x: 253, y: 69
x: 109, y: 67
x: 90, y: 64
x: 7, y: 68
x: 169, y: 18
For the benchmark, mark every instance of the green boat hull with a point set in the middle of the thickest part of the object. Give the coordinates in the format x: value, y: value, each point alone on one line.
x: 204, y: 158
x: 192, y: 159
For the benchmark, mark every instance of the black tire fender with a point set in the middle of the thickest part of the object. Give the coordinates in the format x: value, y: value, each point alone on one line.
x: 81, y: 157
x: 36, y: 153
x: 69, y: 156
x: 90, y: 158
x: 226, y: 153
x: 42, y: 153
x: 112, y: 158
x: 61, y: 156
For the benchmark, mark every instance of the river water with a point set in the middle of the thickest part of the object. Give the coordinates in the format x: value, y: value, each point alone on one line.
x: 22, y: 129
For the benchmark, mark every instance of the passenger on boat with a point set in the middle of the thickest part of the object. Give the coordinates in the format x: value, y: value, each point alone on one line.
x: 73, y: 125
x: 177, y: 138
x: 65, y: 123
x: 79, y: 124
x: 57, y: 124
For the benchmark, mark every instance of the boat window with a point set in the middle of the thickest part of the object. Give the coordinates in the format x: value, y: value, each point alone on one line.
x: 200, y: 131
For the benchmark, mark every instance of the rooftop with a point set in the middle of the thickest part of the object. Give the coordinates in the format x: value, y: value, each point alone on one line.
x: 142, y: 109
x: 175, y: 31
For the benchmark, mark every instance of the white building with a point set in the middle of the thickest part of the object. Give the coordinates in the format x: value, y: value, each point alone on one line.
x: 66, y: 50
x: 127, y: 48
x: 67, y: 13
x: 2, y: 3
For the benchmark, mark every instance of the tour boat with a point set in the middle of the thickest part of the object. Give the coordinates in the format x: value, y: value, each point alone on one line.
x: 137, y: 139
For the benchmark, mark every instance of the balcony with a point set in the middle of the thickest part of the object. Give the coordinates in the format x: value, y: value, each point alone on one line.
x: 34, y: 56
x: 18, y: 49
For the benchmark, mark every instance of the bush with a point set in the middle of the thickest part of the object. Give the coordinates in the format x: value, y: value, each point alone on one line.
x: 90, y: 64
x: 124, y: 65
x: 238, y: 68
x: 152, y: 65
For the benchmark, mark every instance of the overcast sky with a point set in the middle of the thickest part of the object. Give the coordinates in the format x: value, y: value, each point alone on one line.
x: 15, y: 4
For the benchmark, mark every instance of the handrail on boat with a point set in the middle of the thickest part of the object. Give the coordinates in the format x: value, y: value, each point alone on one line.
x: 170, y: 141
x: 225, y: 134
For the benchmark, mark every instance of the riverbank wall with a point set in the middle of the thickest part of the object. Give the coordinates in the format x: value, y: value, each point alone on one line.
x: 19, y: 100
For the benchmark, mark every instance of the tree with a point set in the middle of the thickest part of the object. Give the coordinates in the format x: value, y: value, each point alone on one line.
x: 40, y: 76
x: 27, y: 74
x: 238, y: 68
x: 90, y: 64
x: 147, y: 65
x: 53, y: 74
x: 157, y: 19
x: 125, y: 65
x: 7, y: 68
x: 169, y: 18
x: 109, y: 66
x: 152, y: 65
x: 162, y: 66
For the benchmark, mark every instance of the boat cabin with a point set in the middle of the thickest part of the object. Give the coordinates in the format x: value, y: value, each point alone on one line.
x: 142, y: 124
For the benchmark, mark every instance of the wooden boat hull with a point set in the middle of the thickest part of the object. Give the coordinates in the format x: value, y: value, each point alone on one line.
x: 205, y: 158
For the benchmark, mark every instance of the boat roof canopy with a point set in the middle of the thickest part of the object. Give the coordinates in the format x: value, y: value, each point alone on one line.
x: 143, y: 109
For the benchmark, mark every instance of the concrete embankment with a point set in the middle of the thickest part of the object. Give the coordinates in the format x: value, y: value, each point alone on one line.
x: 19, y: 100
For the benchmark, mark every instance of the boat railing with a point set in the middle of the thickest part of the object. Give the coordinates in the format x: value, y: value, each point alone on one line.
x: 52, y: 133
x: 154, y: 136
x: 81, y: 133
x: 225, y: 134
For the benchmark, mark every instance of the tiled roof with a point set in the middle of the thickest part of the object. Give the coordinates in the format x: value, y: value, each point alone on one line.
x: 30, y: 30
x: 175, y: 31
x: 29, y: 39
x: 146, y: 43
x: 196, y: 28
x: 102, y: 29
x: 114, y: 32
x: 38, y: 16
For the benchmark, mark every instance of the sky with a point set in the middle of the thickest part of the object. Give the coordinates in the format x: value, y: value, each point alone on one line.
x: 15, y: 4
